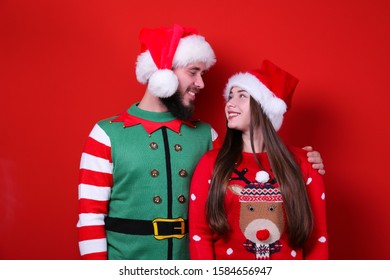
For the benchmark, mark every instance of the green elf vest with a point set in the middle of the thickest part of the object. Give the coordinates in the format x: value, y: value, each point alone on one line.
x: 154, y: 156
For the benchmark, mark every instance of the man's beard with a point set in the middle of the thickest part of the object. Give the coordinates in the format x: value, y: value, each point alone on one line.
x: 175, y: 105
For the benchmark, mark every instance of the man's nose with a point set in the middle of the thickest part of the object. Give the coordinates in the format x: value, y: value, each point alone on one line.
x: 199, y: 82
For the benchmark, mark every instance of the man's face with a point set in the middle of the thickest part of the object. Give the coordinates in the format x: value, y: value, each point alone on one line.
x: 181, y: 104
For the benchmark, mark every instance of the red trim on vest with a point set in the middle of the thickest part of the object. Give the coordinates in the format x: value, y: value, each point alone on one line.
x: 150, y: 126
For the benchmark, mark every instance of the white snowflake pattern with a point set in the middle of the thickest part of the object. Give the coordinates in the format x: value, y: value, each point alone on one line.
x: 322, y: 239
x: 293, y: 253
x: 196, y: 238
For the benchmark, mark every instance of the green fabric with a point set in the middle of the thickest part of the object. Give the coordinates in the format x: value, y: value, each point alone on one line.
x: 134, y: 187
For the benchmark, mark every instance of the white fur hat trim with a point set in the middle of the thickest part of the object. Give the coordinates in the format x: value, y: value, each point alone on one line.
x: 273, y: 106
x: 191, y: 49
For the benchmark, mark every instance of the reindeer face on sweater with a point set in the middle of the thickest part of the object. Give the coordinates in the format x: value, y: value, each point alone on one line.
x: 261, y: 213
x: 261, y: 221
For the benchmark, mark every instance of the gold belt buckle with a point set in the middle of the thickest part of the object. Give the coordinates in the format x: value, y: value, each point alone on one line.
x: 162, y: 220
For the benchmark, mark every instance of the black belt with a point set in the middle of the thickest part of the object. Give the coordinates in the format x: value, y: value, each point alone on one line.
x: 160, y: 228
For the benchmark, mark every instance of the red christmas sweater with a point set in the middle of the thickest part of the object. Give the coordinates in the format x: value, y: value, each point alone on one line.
x: 255, y: 212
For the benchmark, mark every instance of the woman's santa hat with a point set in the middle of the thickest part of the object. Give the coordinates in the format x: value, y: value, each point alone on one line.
x: 270, y: 86
x: 166, y: 48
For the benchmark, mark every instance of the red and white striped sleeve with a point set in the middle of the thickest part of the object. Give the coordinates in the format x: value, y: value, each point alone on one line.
x: 95, y: 183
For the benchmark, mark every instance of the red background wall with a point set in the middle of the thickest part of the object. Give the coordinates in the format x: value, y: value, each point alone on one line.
x: 67, y: 64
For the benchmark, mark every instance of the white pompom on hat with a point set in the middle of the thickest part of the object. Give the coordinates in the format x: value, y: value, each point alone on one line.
x: 270, y: 86
x: 166, y: 48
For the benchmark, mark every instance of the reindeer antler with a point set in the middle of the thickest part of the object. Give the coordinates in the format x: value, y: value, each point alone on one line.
x: 241, y: 175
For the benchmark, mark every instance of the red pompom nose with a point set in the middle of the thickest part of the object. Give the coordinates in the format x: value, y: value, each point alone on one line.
x: 262, y: 234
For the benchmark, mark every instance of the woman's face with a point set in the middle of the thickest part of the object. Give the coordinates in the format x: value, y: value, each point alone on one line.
x: 237, y: 110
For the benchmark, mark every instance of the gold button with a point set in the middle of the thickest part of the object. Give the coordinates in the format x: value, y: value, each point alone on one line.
x: 183, y: 173
x: 157, y: 199
x: 153, y: 145
x: 154, y: 173
x: 178, y: 148
x: 181, y: 199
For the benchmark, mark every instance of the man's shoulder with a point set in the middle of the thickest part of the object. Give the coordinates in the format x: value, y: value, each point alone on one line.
x: 109, y: 120
x: 200, y: 122
x: 197, y: 126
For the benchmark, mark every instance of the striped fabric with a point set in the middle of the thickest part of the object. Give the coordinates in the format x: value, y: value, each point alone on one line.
x: 94, y: 192
x: 95, y: 185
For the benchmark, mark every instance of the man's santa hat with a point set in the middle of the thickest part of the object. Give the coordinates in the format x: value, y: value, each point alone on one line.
x: 270, y: 86
x: 166, y: 48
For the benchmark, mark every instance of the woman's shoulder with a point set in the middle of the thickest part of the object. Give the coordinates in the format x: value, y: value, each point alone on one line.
x: 298, y: 152
x: 300, y: 156
x: 210, y: 156
x: 213, y: 153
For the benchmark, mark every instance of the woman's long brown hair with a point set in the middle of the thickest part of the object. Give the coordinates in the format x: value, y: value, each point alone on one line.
x: 284, y: 168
